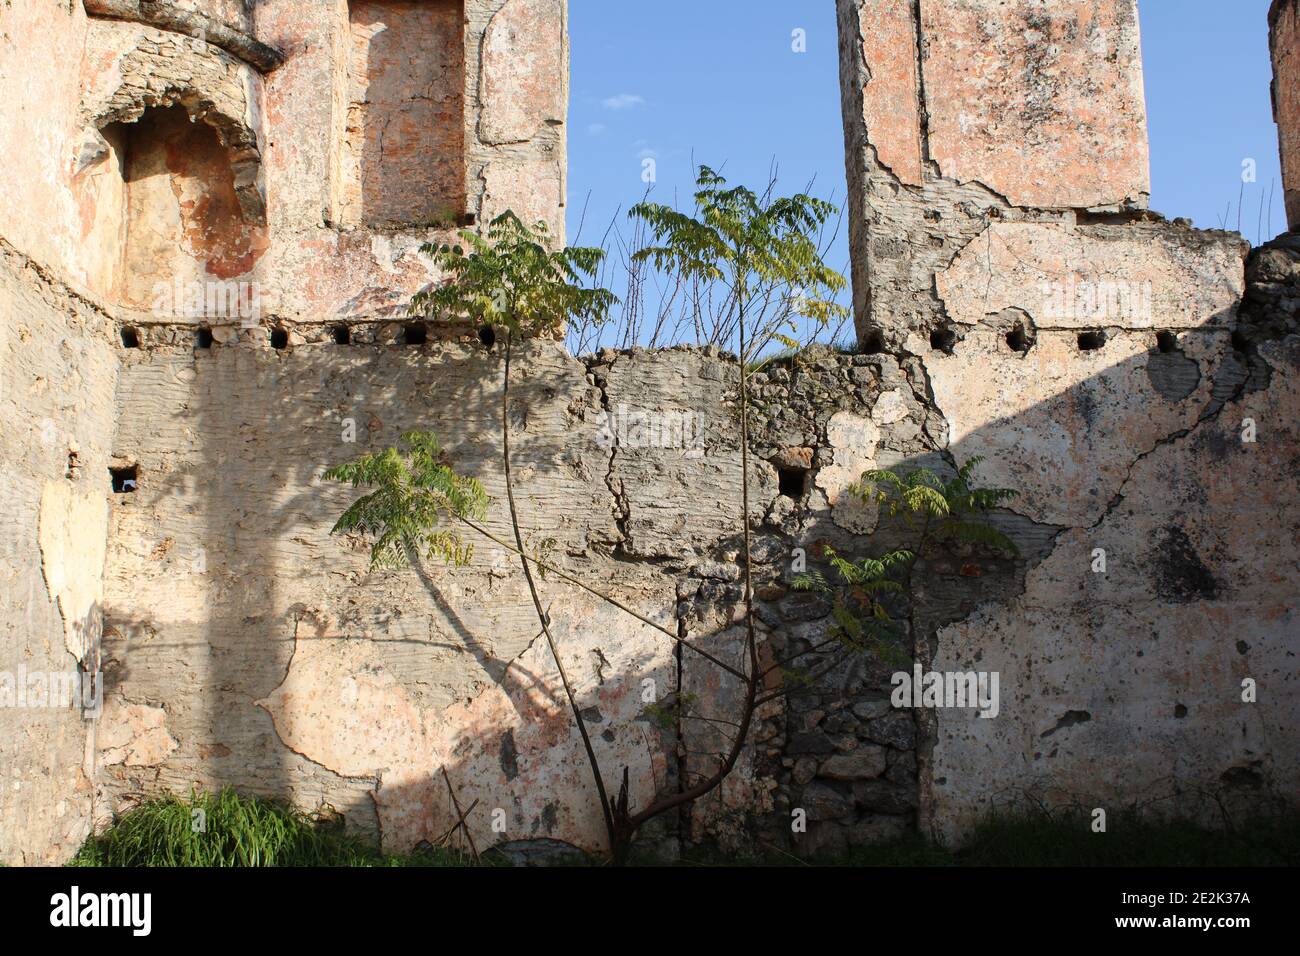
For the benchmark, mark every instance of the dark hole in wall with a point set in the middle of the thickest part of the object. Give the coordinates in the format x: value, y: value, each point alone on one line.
x: 415, y: 333
x: 279, y: 338
x: 342, y: 335
x: 1091, y: 341
x: 1240, y: 341
x: 1167, y: 342
x: 873, y: 343
x: 203, y: 339
x: 1018, y: 339
x: 792, y: 482
x: 943, y: 340
x: 1247, y: 776
x: 488, y: 336
x: 130, y: 337
x: 125, y: 479
x: 74, y: 466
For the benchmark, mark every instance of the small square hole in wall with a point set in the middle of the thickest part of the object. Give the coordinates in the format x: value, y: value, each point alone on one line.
x: 415, y: 333
x: 130, y: 337
x: 342, y: 335
x: 203, y: 339
x: 125, y: 479
x: 279, y: 338
x: 1091, y: 341
x: 1240, y: 341
x: 1167, y: 342
x: 792, y: 482
x: 943, y: 340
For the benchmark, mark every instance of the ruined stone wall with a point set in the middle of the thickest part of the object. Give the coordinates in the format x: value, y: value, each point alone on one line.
x: 1095, y: 355
x: 1284, y: 41
x: 246, y: 646
x: 1133, y: 379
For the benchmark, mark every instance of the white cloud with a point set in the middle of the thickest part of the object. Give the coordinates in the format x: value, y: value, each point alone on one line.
x: 624, y: 101
x: 595, y: 129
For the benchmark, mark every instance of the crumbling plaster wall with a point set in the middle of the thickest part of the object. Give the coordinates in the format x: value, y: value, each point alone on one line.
x: 67, y: 76
x: 1095, y: 356
x: 57, y: 375
x: 71, y: 85
x: 246, y: 646
x: 515, y: 53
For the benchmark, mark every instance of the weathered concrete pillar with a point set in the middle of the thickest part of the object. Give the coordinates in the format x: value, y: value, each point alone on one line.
x: 1284, y: 40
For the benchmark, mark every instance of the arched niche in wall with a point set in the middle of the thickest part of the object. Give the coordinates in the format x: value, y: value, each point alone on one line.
x: 169, y: 174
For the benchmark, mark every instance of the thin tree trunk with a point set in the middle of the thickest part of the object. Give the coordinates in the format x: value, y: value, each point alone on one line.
x: 610, y: 830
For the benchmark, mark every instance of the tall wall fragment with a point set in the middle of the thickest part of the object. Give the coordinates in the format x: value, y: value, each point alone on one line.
x: 1090, y: 351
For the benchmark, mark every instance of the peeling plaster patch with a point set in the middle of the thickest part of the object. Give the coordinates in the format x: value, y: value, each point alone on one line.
x: 1173, y: 375
x: 886, y: 41
x: 890, y: 408
x: 133, y: 734
x: 854, y: 440
x: 513, y: 746
x: 73, y: 537
x: 1183, y: 575
x: 509, y: 755
x: 531, y: 189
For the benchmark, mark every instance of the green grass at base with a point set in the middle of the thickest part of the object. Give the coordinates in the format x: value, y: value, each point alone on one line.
x: 239, y: 832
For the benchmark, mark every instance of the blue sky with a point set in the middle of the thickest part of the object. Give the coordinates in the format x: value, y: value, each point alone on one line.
x: 716, y: 82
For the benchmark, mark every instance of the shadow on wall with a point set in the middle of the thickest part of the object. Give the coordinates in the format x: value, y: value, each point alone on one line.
x: 1172, y: 581
x: 246, y: 647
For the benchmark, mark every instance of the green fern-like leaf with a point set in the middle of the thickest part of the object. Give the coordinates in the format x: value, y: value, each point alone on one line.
x: 414, y: 493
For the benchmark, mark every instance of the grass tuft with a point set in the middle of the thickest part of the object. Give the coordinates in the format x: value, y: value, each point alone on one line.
x: 226, y: 830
